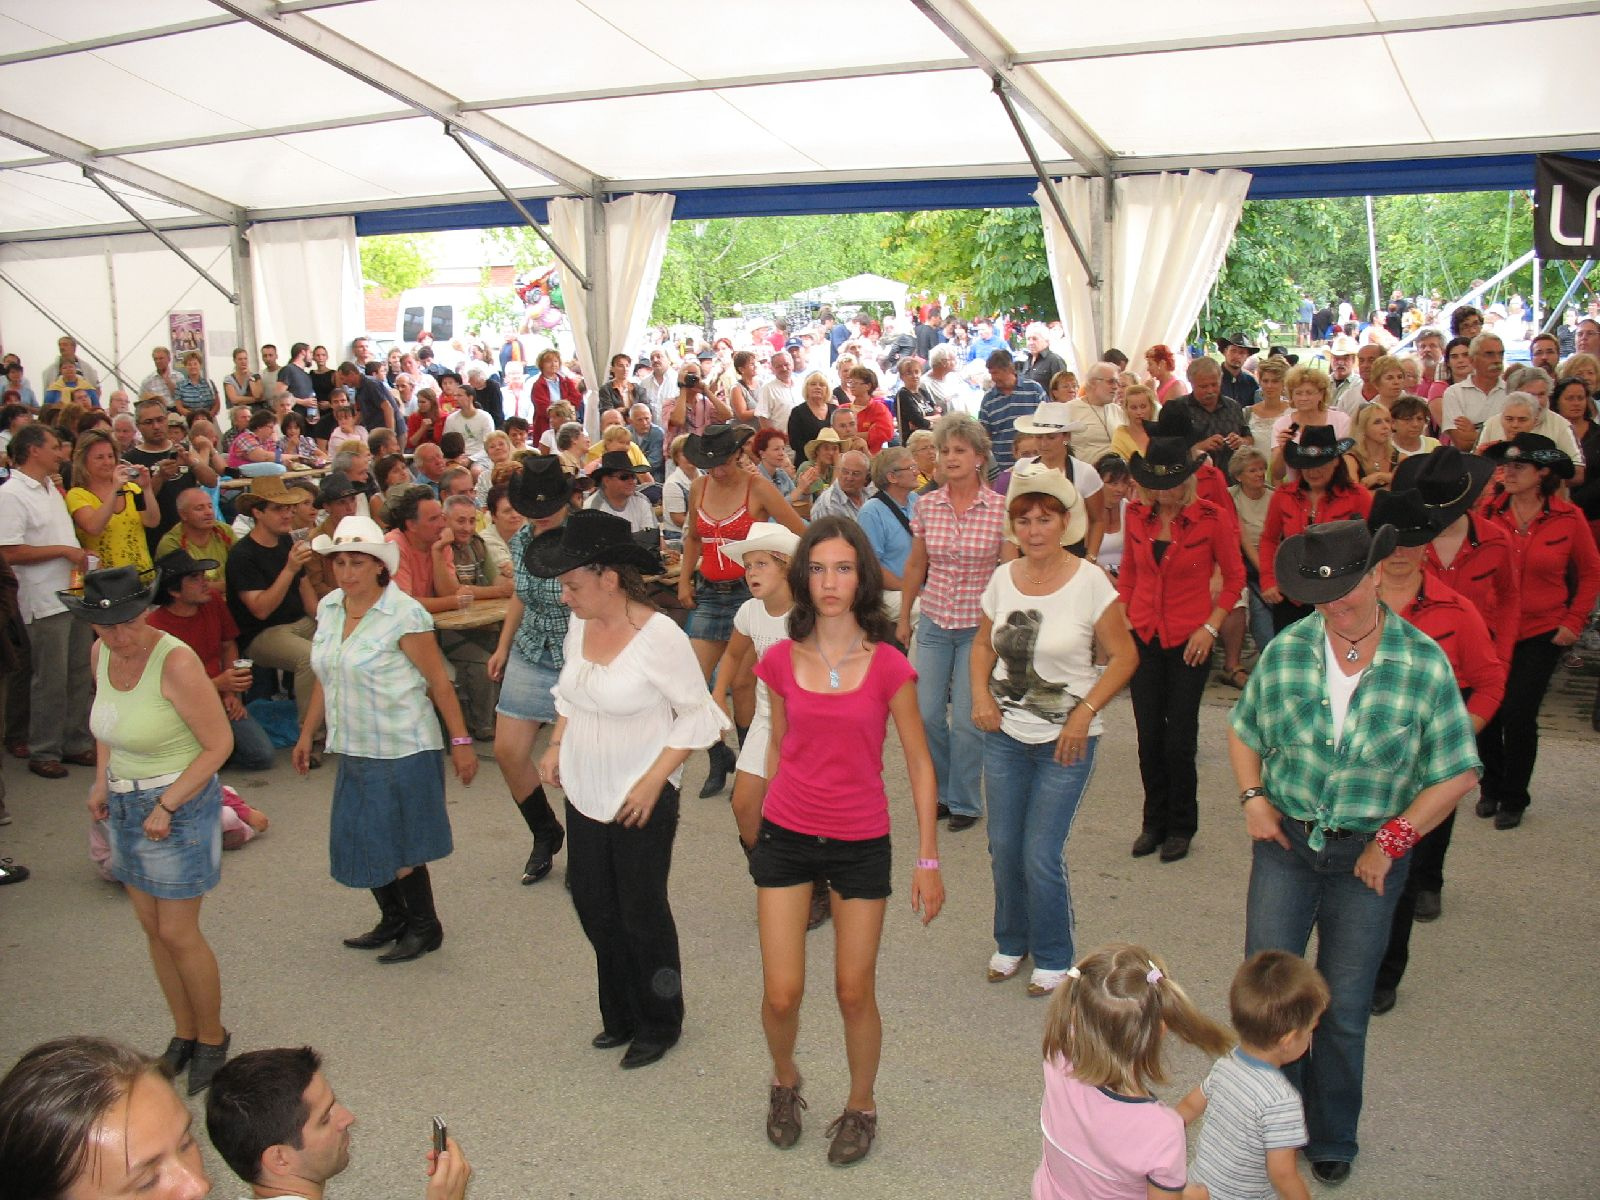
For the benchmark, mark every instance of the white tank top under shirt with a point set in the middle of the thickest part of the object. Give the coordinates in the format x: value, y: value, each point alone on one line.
x: 1341, y: 688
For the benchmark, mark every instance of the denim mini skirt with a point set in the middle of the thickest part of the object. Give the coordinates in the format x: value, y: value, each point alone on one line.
x: 715, y: 604
x: 388, y: 813
x: 185, y: 864
x: 527, y: 693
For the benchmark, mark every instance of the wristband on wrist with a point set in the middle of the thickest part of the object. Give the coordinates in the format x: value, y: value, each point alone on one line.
x: 171, y: 812
x: 1250, y: 793
x: 1212, y: 630
x: 461, y: 741
x: 1090, y: 707
x: 1396, y: 837
x: 927, y: 864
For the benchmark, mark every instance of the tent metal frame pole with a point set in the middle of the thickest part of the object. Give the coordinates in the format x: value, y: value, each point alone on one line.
x: 1476, y: 293
x: 94, y: 178
x: 1002, y: 91
x: 244, y: 280
x: 66, y: 330
x: 1556, y: 310
x: 456, y: 136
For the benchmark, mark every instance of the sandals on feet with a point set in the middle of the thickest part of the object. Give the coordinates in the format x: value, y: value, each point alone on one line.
x: 1004, y: 966
x: 1235, y: 678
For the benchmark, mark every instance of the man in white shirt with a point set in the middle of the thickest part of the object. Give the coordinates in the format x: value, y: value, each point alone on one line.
x: 68, y: 348
x: 164, y: 383
x: 1096, y: 410
x: 775, y: 399
x: 1481, y: 395
x: 39, y: 541
x: 848, y: 492
x: 618, y: 491
x: 946, y: 384
x: 1362, y: 389
x: 473, y: 424
x: 660, y: 387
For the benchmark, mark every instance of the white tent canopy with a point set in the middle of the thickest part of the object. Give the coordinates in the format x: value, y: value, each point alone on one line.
x: 860, y: 289
x: 228, y: 113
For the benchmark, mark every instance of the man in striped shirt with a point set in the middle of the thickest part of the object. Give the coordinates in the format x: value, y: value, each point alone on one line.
x: 1007, y: 399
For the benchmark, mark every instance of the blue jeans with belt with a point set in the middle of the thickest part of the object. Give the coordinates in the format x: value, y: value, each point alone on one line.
x: 944, y: 694
x: 1290, y: 892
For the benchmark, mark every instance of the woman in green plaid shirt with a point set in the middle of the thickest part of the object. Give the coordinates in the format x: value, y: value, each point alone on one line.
x: 1349, y: 743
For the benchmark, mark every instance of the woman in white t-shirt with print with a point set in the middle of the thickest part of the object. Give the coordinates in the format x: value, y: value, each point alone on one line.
x: 1037, y: 697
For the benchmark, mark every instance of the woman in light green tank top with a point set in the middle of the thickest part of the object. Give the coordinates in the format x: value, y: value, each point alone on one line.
x: 160, y: 736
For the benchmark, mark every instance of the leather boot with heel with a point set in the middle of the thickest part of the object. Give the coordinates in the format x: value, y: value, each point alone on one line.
x: 391, y: 921
x: 548, y: 836
x: 423, y: 932
x: 722, y: 761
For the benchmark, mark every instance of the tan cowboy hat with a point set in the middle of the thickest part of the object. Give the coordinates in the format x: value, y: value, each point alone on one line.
x: 828, y: 437
x: 269, y: 489
x: 1033, y: 478
x: 768, y: 537
x: 1343, y: 345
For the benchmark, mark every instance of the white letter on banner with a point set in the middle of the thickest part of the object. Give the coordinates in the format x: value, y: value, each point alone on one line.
x: 1590, y: 217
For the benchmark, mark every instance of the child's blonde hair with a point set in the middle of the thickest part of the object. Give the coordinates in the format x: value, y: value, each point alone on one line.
x: 1107, y: 1020
x: 617, y: 435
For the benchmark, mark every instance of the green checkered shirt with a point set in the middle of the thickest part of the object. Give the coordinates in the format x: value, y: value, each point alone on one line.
x: 1406, y: 728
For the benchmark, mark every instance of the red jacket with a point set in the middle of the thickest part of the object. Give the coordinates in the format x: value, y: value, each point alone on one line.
x: 1172, y: 599
x: 1211, y: 484
x: 875, y: 423
x: 1290, y: 513
x: 1557, y: 562
x: 1450, y: 619
x: 1484, y: 571
x: 539, y: 395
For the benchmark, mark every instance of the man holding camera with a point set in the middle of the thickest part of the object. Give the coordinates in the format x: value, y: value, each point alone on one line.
x: 693, y: 408
x: 274, y: 1119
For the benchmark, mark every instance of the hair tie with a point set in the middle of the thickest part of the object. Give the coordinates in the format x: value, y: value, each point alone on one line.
x: 1074, y: 973
x: 1154, y: 977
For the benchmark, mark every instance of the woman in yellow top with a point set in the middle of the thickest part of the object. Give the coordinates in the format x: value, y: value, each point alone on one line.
x: 113, y: 503
x: 160, y: 737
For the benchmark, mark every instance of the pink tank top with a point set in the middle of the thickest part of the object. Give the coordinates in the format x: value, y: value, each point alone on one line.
x: 716, y: 566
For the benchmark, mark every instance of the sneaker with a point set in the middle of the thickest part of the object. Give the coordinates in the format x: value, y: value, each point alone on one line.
x: 1004, y: 966
x: 1043, y: 983
x: 851, y: 1134
x: 11, y: 872
x: 783, y: 1114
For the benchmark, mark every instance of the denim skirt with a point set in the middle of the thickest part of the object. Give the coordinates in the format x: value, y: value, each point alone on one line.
x: 711, y: 619
x: 388, y: 813
x: 187, y: 863
x: 527, y: 693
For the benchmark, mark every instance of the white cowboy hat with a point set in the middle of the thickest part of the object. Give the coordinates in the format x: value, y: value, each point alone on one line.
x: 768, y: 537
x: 1342, y: 345
x: 1034, y: 478
x: 362, y: 535
x: 1049, y: 417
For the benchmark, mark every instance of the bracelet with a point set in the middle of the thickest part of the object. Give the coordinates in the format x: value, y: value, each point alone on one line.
x: 1250, y: 793
x: 1214, y: 632
x: 1396, y: 837
x: 461, y: 741
x: 927, y: 864
x: 1090, y: 707
x: 171, y: 812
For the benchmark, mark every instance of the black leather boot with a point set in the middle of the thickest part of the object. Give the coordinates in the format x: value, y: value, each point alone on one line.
x: 722, y: 761
x: 391, y: 924
x: 548, y: 836
x: 423, y: 931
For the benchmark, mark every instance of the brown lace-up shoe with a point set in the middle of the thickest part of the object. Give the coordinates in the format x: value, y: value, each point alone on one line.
x: 783, y: 1115
x: 852, y: 1133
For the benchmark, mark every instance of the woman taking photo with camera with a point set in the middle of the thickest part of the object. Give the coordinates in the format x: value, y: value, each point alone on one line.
x: 112, y: 504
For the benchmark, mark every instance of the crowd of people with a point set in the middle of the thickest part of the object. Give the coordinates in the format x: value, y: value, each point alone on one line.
x: 799, y: 540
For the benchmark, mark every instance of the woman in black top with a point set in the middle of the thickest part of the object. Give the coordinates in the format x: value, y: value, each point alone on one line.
x: 811, y: 416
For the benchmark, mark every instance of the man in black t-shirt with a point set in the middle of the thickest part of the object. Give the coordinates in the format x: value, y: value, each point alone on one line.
x: 269, y: 595
x: 372, y: 402
x: 174, y: 467
x: 296, y: 375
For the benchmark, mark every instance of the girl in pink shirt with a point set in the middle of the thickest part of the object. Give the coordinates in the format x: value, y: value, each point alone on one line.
x: 833, y: 687
x: 1105, y: 1136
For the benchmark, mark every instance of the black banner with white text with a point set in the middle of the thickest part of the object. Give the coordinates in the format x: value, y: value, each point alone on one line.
x: 1566, y: 207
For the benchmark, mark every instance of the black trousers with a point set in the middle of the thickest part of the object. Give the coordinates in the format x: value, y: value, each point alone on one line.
x: 1426, y: 875
x: 619, y: 887
x: 1166, y: 694
x: 1509, y: 744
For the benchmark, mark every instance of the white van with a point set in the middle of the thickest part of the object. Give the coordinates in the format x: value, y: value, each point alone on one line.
x: 440, y: 312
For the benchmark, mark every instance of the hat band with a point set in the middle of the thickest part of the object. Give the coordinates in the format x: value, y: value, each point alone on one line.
x: 1326, y: 572
x: 1165, y: 468
x: 1048, y: 425
x: 1466, y: 486
x: 1316, y: 452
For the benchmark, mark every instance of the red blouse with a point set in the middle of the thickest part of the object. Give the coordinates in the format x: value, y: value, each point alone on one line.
x: 876, y: 424
x: 1450, y: 619
x: 1556, y: 545
x: 1290, y: 513
x: 1484, y: 571
x: 1171, y: 599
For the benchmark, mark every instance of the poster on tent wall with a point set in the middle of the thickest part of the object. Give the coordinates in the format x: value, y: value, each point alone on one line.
x: 186, y: 331
x: 1566, y: 207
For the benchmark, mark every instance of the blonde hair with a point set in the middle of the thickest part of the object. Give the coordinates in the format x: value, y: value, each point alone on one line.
x: 1364, y: 419
x: 816, y: 377
x: 1139, y: 389
x: 1382, y: 365
x: 1187, y: 492
x: 1318, y: 379
x: 1271, y: 368
x: 560, y: 413
x: 1107, y: 1023
x: 617, y: 435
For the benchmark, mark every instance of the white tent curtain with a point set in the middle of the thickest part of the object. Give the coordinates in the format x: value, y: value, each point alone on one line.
x: 1169, y: 235
x: 114, y: 294
x: 307, y: 284
x: 636, y: 244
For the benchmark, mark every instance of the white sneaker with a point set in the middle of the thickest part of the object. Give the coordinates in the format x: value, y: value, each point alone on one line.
x: 1004, y: 966
x: 1043, y: 983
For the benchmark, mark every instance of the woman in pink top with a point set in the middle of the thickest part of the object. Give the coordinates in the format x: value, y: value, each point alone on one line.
x: 833, y: 687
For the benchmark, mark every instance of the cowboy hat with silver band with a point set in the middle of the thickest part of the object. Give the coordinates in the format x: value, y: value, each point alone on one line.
x: 1035, y: 479
x: 1448, y: 481
x: 112, y: 596
x: 1049, y: 417
x: 1318, y: 446
x: 360, y: 535
x: 1533, y: 448
x: 1328, y: 561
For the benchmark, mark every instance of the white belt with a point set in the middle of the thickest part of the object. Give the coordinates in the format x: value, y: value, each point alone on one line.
x: 141, y: 785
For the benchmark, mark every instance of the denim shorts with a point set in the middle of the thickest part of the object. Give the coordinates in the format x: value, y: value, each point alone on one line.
x: 711, y: 618
x: 856, y: 870
x: 181, y: 866
x: 527, y: 691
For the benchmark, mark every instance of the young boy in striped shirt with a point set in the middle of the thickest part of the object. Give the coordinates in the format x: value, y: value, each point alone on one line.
x: 1255, y: 1121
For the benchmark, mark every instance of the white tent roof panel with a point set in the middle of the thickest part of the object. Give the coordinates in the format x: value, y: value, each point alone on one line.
x: 57, y: 193
x: 26, y: 25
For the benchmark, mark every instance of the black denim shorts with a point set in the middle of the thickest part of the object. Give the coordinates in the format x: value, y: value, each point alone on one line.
x: 856, y: 870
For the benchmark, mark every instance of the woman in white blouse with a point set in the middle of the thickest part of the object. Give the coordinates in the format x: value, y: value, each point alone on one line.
x: 631, y: 706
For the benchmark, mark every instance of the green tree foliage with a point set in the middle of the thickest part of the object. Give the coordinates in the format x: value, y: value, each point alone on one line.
x: 394, y: 262
x: 981, y: 260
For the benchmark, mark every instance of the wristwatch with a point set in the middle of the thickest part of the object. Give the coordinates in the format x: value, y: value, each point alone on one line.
x: 1250, y: 793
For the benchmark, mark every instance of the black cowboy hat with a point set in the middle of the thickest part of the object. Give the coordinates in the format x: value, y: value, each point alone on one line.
x: 717, y: 445
x: 1236, y: 339
x: 336, y: 485
x: 1533, y: 448
x: 617, y: 462
x: 1165, y: 464
x: 172, y: 569
x: 1318, y: 446
x: 1413, y: 524
x: 1328, y: 561
x: 1173, y: 422
x: 111, y: 597
x: 588, y: 537
x: 1279, y: 352
x: 1449, y: 481
x: 540, y: 487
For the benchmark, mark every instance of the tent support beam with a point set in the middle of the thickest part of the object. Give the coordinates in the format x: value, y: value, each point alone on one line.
x: 1560, y: 307
x: 455, y: 136
x: 244, y: 278
x: 108, y: 363
x: 1049, y: 185
x: 94, y: 178
x: 337, y: 51
x: 597, y: 297
x: 987, y: 49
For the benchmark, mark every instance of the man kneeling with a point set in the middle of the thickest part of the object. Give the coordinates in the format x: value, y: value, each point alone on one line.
x: 274, y: 1119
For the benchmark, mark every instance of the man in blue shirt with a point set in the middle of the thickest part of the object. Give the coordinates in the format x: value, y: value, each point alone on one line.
x: 1007, y: 399
x: 985, y: 340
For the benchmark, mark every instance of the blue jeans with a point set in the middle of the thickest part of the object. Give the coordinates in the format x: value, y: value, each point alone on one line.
x: 1261, y: 630
x: 1290, y: 891
x: 944, y: 694
x: 252, y: 746
x: 1032, y: 803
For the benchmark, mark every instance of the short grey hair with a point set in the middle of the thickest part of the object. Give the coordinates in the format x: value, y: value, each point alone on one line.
x: 941, y: 354
x: 1488, y: 335
x: 963, y: 427
x: 1204, y: 365
x: 890, y: 459
x: 459, y: 500
x: 1523, y: 400
x: 345, y: 459
x: 917, y: 438
x: 124, y: 418
x: 1524, y: 373
x: 568, y: 435
x: 1243, y: 458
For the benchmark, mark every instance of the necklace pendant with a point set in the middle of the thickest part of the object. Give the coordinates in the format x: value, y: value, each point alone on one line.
x: 833, y: 680
x: 1352, y: 654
